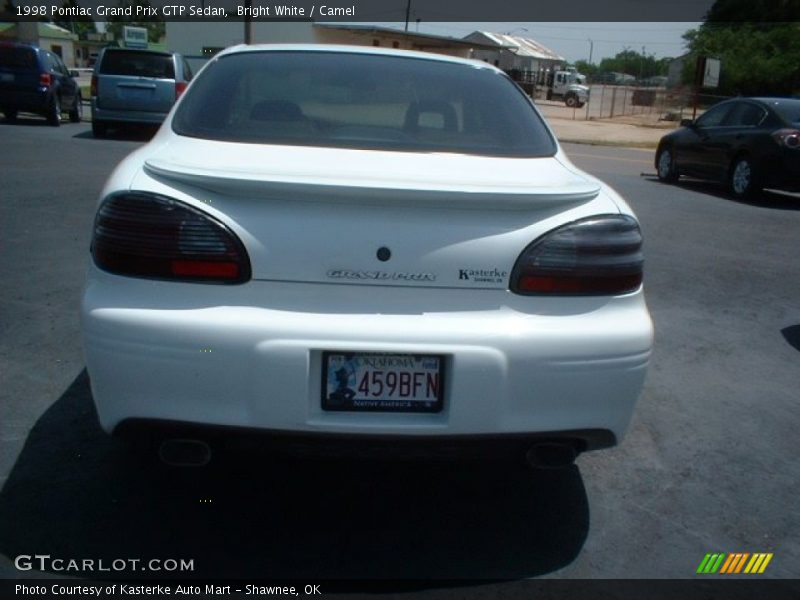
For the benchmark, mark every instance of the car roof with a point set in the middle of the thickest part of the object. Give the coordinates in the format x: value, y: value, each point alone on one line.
x: 776, y: 100
x: 10, y: 44
x: 140, y: 50
x: 345, y: 49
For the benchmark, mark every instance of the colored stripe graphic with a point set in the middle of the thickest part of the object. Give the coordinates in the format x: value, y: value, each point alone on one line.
x: 711, y: 563
x: 703, y: 563
x: 735, y: 563
x: 767, y: 558
x: 727, y: 564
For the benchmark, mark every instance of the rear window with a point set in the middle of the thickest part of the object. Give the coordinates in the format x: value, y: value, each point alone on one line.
x: 361, y: 101
x: 17, y: 58
x: 138, y: 64
x: 788, y: 110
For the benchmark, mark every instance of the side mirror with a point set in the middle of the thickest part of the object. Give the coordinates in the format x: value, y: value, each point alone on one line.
x: 74, y: 73
x: 687, y: 123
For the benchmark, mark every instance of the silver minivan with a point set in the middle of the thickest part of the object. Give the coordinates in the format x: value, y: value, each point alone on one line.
x: 135, y: 86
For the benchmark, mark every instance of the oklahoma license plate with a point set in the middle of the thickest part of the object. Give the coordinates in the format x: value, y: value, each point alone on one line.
x: 355, y: 381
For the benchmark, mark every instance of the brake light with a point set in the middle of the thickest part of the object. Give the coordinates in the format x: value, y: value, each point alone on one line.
x: 93, y: 88
x: 180, y: 87
x: 600, y: 255
x: 787, y: 137
x: 147, y: 235
x: 45, y: 79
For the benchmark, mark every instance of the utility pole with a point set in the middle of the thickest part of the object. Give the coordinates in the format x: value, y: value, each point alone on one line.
x: 641, y: 67
x: 408, y: 13
x: 248, y: 22
x: 591, y: 49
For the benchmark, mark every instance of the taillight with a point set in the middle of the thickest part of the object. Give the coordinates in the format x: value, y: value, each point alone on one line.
x: 147, y: 235
x: 600, y: 255
x: 45, y: 79
x: 787, y: 137
x: 180, y: 87
x: 93, y: 88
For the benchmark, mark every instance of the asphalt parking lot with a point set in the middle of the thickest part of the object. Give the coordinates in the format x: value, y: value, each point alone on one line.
x: 709, y: 464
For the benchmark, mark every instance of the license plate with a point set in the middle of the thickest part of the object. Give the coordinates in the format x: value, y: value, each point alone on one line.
x: 355, y: 381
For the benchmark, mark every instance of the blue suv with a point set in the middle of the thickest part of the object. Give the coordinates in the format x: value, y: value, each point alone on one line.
x: 36, y: 80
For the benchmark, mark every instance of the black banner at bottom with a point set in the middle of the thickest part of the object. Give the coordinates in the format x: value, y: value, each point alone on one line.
x: 547, y: 589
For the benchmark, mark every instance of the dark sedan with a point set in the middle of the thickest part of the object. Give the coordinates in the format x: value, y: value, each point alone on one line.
x: 748, y: 143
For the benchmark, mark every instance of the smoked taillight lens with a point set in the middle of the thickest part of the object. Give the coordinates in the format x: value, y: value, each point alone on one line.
x: 787, y: 137
x: 93, y: 88
x: 600, y: 255
x: 147, y: 235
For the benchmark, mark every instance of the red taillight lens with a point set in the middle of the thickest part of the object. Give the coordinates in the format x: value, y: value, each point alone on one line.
x: 147, y: 235
x: 600, y: 255
x: 180, y: 87
x: 93, y: 88
x: 787, y: 137
x: 45, y: 79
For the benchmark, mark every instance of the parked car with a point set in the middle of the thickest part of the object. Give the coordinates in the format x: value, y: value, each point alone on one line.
x: 36, y: 80
x: 364, y: 245
x: 135, y: 86
x: 748, y: 143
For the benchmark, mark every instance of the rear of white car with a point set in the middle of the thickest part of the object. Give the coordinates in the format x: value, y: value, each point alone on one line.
x: 364, y: 244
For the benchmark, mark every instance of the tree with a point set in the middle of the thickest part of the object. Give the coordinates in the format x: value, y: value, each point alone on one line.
x: 757, y: 12
x: 630, y: 62
x: 155, y: 27
x: 760, y: 56
x: 79, y: 24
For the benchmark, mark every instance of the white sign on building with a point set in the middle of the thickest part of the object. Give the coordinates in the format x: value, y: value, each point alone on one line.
x: 134, y: 37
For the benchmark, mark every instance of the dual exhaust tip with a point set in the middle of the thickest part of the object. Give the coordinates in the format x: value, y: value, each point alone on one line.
x: 551, y: 455
x: 185, y: 452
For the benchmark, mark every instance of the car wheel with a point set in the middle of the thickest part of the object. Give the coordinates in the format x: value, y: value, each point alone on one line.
x: 99, y: 129
x: 76, y: 114
x: 54, y: 112
x: 744, y: 179
x: 571, y: 101
x: 665, y: 166
x: 10, y: 115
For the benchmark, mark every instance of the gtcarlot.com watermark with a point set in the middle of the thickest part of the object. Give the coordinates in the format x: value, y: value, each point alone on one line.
x: 46, y: 562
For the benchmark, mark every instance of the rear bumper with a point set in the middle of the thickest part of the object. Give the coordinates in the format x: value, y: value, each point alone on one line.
x: 126, y: 116
x: 783, y: 173
x: 35, y: 101
x: 250, y: 356
x: 327, y: 445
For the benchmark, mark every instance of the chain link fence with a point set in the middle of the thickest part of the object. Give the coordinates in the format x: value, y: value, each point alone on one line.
x: 648, y: 103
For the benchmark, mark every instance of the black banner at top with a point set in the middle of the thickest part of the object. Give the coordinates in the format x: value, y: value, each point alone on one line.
x: 365, y: 10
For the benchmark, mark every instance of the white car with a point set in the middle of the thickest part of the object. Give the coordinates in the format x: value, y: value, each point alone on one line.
x: 363, y: 244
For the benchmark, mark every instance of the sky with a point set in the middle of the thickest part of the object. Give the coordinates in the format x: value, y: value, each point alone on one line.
x: 571, y: 39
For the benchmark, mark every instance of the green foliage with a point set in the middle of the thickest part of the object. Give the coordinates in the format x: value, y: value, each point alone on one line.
x: 756, y: 12
x: 757, y: 59
x: 155, y: 27
x: 628, y: 61
x: 81, y: 25
x: 587, y: 69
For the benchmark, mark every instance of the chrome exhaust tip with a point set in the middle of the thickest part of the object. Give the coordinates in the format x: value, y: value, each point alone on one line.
x: 551, y: 455
x: 184, y: 453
